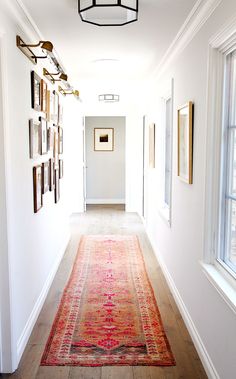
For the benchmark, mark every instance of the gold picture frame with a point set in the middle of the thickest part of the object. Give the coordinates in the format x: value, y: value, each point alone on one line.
x: 185, y: 143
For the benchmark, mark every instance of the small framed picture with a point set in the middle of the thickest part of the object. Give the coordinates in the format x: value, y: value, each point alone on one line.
x: 50, y: 133
x: 55, y: 149
x: 103, y: 139
x: 60, y: 114
x: 61, y: 168
x: 60, y: 140
x: 35, y: 91
x: 51, y: 175
x: 48, y: 105
x: 45, y: 177
x: 37, y: 183
x: 57, y: 186
x: 34, y: 138
x: 43, y: 137
x: 185, y: 142
x: 152, y: 132
x: 55, y: 107
x: 44, y: 88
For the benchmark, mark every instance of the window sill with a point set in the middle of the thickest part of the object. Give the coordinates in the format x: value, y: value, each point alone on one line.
x: 221, y: 284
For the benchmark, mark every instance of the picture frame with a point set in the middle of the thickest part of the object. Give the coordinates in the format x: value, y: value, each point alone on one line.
x: 48, y: 115
x: 34, y: 138
x: 37, y: 188
x: 43, y: 136
x: 57, y: 186
x: 60, y: 114
x: 45, y: 177
x: 61, y: 168
x: 55, y: 107
x: 35, y: 91
x: 60, y: 140
x: 55, y: 149
x: 185, y: 143
x: 44, y: 100
x: 152, y: 145
x: 51, y: 175
x: 50, y: 136
x: 103, y: 139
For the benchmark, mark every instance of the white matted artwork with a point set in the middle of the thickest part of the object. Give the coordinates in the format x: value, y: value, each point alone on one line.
x: 103, y: 139
x: 185, y: 142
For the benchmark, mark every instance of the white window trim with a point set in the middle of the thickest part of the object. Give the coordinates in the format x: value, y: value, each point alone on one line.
x: 221, y: 279
x: 165, y: 211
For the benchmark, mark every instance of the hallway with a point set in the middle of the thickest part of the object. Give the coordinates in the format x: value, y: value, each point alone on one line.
x: 111, y: 220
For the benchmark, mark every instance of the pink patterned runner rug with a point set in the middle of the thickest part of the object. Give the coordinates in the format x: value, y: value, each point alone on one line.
x: 108, y: 313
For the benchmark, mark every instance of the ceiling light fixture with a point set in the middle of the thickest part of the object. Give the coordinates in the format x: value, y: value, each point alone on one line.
x: 109, y: 98
x: 108, y: 12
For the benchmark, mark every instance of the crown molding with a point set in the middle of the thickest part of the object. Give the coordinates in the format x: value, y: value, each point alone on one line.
x: 199, y: 14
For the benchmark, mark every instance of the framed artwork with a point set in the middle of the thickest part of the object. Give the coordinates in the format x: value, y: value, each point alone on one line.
x: 61, y: 168
x: 43, y: 137
x: 152, y: 133
x: 44, y: 88
x: 48, y: 106
x: 185, y: 142
x: 55, y: 107
x: 34, y: 138
x: 55, y: 149
x: 51, y: 105
x: 60, y: 140
x: 50, y: 135
x: 60, y: 114
x: 51, y: 175
x: 35, y: 91
x: 45, y: 177
x: 37, y: 182
x: 57, y: 186
x: 103, y: 139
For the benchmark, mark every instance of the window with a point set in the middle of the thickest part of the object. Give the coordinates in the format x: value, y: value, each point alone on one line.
x: 227, y: 235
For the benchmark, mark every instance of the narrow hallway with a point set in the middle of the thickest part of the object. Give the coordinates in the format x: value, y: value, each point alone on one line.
x: 111, y: 220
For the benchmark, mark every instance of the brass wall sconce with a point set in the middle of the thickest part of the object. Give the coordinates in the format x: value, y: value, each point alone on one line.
x: 46, y: 46
x: 51, y: 76
x: 69, y: 91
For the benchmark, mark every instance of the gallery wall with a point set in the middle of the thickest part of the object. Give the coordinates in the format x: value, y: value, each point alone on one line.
x: 102, y: 186
x: 180, y: 247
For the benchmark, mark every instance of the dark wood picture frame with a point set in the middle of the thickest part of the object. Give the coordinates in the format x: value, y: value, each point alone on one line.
x: 37, y: 186
x: 57, y: 186
x: 61, y: 168
x: 43, y: 136
x: 45, y: 177
x: 51, y: 175
x: 34, y: 138
x: 60, y: 140
x: 35, y: 91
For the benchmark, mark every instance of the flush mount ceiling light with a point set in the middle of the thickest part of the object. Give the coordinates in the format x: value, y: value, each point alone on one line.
x: 109, y: 98
x: 108, y: 12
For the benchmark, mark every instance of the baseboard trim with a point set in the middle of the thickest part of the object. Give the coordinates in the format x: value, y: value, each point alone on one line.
x: 198, y: 343
x: 22, y: 342
x: 105, y: 201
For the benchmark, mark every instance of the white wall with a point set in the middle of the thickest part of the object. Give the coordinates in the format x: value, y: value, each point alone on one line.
x: 102, y: 186
x: 36, y: 242
x: 180, y: 248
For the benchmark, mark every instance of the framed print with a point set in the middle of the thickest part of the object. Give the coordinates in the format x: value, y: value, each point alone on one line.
x: 152, y: 132
x: 35, y: 91
x: 57, y: 186
x: 44, y: 88
x: 103, y: 139
x: 55, y: 149
x: 61, y: 169
x: 48, y: 105
x: 43, y: 137
x: 185, y: 142
x: 55, y: 107
x: 50, y: 135
x: 60, y: 140
x: 37, y: 182
x: 60, y: 114
x: 34, y: 138
x: 51, y: 175
x: 45, y: 177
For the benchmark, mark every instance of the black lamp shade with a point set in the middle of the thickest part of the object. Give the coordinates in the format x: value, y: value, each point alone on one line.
x: 108, y: 12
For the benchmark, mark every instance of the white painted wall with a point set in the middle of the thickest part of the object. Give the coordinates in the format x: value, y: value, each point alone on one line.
x: 180, y: 248
x: 36, y: 242
x: 102, y: 186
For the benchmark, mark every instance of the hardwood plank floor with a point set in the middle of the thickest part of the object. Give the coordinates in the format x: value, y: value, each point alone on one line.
x: 111, y: 220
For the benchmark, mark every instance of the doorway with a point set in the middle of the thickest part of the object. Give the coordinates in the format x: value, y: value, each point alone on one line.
x: 105, y: 160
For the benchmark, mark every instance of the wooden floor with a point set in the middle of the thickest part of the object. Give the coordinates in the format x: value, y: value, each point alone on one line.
x: 111, y: 220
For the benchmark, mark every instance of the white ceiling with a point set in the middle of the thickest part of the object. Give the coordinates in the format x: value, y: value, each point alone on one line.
x: 90, y: 52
